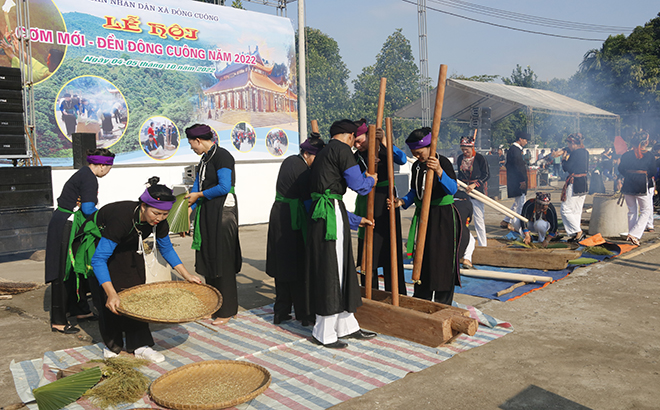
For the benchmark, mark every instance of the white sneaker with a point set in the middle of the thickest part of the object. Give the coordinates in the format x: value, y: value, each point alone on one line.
x: 108, y: 354
x: 150, y: 354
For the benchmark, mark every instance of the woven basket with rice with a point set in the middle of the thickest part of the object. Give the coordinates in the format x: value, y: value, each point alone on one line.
x: 212, y: 384
x: 169, y: 302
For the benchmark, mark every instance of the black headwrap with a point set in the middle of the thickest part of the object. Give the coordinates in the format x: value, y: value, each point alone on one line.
x: 343, y: 127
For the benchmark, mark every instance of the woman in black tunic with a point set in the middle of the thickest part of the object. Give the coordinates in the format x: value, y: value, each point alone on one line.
x: 381, y: 236
x: 637, y: 168
x: 118, y: 264
x: 218, y: 251
x: 77, y: 201
x: 440, y: 269
x: 287, y: 229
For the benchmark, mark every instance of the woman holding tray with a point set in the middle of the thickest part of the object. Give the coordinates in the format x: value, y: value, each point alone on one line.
x: 77, y: 201
x: 218, y: 250
x: 118, y: 264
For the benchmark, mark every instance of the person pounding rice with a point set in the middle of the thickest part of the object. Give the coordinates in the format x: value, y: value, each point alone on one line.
x: 118, y: 264
x: 331, y: 278
x: 440, y: 265
x: 381, y: 233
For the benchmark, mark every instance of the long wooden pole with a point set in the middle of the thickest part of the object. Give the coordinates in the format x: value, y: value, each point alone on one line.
x: 394, y: 256
x: 430, y: 175
x: 492, y: 203
x: 315, y: 126
x: 367, y: 250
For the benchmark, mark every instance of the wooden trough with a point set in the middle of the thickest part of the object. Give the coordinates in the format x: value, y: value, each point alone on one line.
x: 544, y: 259
x: 418, y: 320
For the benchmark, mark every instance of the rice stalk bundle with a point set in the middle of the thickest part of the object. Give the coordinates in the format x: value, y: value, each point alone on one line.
x: 62, y: 392
x: 598, y: 250
x: 122, y: 383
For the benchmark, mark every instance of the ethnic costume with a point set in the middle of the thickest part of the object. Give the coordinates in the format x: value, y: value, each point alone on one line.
x: 218, y: 251
x: 516, y: 173
x: 440, y: 270
x: 119, y: 259
x: 331, y: 279
x: 69, y: 110
x: 287, y: 228
x: 77, y: 201
x: 475, y: 170
x: 575, y: 188
x: 464, y: 207
x: 637, y: 169
x: 381, y: 231
x: 543, y: 223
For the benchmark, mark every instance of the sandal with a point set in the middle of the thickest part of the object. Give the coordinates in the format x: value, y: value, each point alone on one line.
x: 633, y: 240
x: 68, y: 330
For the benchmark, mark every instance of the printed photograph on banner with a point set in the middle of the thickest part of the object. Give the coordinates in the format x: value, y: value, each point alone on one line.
x: 277, y: 142
x: 190, y: 62
x: 45, y: 21
x: 243, y: 137
x: 159, y: 138
x: 93, y: 105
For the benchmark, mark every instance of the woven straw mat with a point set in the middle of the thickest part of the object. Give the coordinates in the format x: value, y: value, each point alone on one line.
x: 212, y: 384
x: 208, y: 295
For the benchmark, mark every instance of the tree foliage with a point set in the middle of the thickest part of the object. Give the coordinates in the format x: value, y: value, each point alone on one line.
x: 327, y: 90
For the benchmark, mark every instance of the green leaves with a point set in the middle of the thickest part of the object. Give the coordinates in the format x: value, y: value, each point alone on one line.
x: 65, y: 391
x: 178, y: 217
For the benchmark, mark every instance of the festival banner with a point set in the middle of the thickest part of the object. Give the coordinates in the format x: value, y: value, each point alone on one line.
x: 137, y: 73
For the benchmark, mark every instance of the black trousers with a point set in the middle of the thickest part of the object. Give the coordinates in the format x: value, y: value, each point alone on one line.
x: 287, y: 294
x: 226, y: 285
x: 114, y: 327
x: 423, y: 292
x: 63, y: 294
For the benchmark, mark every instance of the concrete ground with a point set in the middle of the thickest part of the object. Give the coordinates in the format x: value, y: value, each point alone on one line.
x: 591, y: 340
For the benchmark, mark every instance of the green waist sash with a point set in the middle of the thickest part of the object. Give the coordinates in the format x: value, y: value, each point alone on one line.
x: 325, y: 209
x: 78, y: 221
x: 445, y: 200
x: 361, y: 206
x: 197, y: 234
x: 298, y: 214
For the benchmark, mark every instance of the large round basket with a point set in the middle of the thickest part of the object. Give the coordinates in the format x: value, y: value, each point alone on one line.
x: 209, y: 296
x: 213, y: 384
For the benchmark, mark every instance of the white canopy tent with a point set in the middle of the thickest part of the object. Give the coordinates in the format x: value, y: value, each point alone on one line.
x: 461, y: 96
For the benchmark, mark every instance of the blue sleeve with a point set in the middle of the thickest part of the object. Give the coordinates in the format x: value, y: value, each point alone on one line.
x: 168, y: 252
x: 88, y: 208
x: 353, y: 221
x: 103, y: 252
x: 195, y: 188
x: 448, y: 183
x: 308, y: 205
x: 399, y: 156
x: 409, y: 198
x: 357, y: 182
x: 223, y: 187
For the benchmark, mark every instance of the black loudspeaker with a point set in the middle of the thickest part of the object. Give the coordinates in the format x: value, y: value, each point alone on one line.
x: 13, y: 142
x: 494, y: 179
x: 82, y: 141
x: 23, y: 230
x: 25, y: 187
x: 484, y: 127
x: 10, y: 79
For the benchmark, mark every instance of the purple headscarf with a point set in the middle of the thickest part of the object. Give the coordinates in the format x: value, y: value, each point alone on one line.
x: 307, y: 146
x: 424, y: 142
x: 100, y: 160
x: 155, y: 203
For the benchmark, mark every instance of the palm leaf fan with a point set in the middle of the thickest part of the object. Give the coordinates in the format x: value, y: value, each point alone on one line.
x: 178, y: 217
x: 62, y: 392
